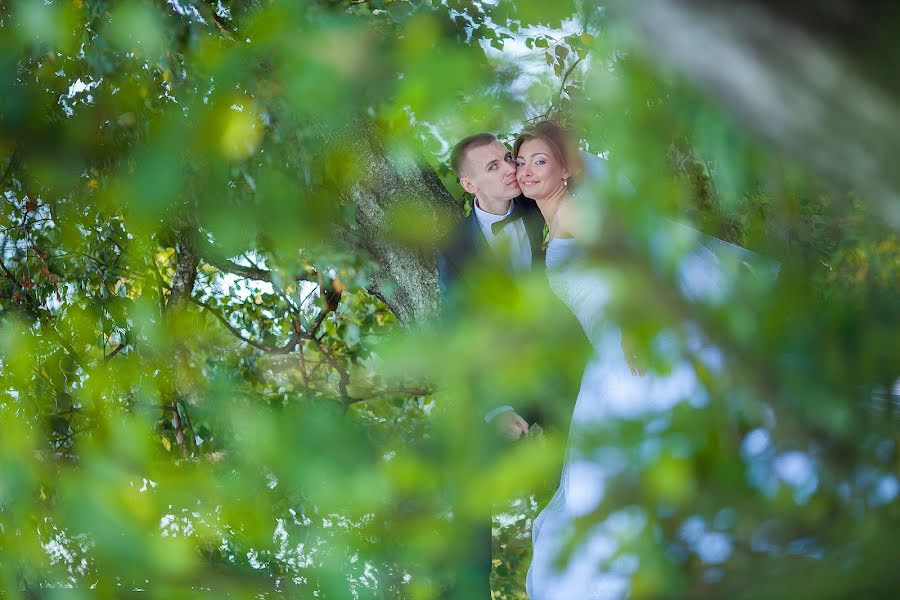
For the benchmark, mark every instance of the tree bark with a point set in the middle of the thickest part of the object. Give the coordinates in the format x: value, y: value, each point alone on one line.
x: 393, y: 183
x: 187, y: 261
x: 186, y: 266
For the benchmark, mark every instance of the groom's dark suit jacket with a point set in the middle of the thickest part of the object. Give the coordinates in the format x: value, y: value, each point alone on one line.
x: 464, y: 259
x: 464, y: 250
x: 466, y: 245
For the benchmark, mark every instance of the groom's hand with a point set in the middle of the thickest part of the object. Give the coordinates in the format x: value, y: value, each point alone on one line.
x: 510, y: 426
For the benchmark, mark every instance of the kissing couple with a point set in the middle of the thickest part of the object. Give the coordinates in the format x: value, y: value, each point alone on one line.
x: 517, y: 194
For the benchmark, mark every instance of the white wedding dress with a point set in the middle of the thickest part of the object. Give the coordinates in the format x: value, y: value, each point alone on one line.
x: 609, y: 391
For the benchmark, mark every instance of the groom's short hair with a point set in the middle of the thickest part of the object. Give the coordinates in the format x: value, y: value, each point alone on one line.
x: 460, y: 151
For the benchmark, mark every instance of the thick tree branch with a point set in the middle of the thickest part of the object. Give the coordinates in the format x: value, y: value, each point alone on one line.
x: 389, y: 180
x: 186, y: 265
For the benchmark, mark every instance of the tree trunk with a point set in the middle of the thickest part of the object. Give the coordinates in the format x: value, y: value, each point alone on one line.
x: 402, y: 210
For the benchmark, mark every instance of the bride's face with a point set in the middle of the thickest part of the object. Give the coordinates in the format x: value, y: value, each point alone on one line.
x: 539, y: 172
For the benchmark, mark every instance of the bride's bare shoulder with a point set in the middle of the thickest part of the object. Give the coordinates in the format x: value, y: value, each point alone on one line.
x: 567, y: 219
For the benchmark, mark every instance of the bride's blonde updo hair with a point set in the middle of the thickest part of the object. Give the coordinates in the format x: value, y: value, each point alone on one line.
x: 560, y: 142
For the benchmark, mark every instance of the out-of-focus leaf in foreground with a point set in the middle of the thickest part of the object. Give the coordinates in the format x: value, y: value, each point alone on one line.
x: 226, y: 368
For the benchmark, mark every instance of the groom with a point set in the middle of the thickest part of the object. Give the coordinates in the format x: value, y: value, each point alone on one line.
x: 504, y: 229
x: 503, y: 234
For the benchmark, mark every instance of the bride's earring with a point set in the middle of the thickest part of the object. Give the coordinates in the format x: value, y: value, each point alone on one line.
x: 566, y: 182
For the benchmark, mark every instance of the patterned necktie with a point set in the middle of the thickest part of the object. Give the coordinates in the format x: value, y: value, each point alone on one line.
x: 515, y: 215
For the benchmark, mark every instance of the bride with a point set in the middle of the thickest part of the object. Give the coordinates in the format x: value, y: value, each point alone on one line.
x: 613, y: 386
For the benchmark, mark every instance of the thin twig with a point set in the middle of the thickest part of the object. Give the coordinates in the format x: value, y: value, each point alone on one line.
x: 414, y: 391
x: 190, y: 424
x: 562, y: 88
x: 287, y: 348
x: 118, y: 349
x: 319, y: 320
x: 23, y: 225
x: 565, y: 79
x: 209, y: 255
x: 343, y: 375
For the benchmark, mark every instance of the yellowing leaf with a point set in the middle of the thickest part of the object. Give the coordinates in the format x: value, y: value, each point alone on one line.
x: 242, y: 132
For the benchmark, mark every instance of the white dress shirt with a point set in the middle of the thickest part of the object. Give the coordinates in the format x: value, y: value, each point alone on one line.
x: 511, y: 241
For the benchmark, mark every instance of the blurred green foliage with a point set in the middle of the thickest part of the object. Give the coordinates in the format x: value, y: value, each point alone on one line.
x: 203, y: 393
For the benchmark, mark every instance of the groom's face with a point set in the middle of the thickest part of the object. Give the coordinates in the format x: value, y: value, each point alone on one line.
x: 490, y: 173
